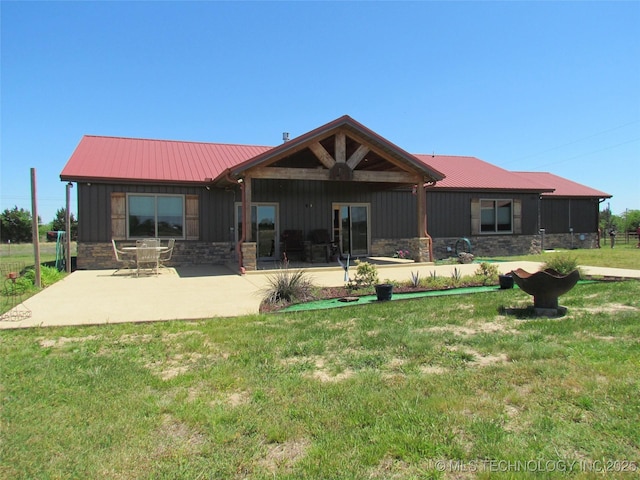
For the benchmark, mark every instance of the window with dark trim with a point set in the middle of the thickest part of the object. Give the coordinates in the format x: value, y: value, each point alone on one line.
x: 158, y: 216
x: 496, y: 216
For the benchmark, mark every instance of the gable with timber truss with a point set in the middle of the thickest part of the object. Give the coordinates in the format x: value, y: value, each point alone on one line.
x: 342, y: 150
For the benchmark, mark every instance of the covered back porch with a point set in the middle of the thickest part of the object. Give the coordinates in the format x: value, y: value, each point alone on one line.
x: 338, y: 191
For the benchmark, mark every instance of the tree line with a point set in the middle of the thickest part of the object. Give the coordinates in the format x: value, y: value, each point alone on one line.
x: 15, y: 225
x: 628, y: 221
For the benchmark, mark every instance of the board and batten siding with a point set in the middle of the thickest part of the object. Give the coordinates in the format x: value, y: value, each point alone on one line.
x: 102, y: 211
x: 307, y: 205
x: 450, y: 214
x: 559, y: 215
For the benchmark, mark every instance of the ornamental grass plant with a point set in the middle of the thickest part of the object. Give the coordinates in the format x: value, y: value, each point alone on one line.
x: 287, y: 286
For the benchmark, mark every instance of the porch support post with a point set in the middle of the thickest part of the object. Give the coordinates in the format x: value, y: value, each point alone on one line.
x: 421, y: 196
x: 424, y: 239
x: 246, y: 211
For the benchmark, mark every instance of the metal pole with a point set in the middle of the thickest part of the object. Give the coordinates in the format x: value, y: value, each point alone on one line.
x: 34, y: 228
x: 68, y: 228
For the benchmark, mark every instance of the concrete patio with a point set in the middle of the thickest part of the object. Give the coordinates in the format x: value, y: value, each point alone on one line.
x: 89, y: 297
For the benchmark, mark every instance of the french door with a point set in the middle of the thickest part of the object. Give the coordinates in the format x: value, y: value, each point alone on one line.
x: 264, y: 225
x: 351, y: 228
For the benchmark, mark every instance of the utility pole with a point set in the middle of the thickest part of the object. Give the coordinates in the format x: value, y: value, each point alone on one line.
x: 34, y: 229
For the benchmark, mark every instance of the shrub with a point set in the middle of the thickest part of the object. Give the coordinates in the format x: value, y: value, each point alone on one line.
x: 366, y: 275
x: 437, y: 283
x: 456, y: 277
x: 48, y: 276
x: 563, y: 264
x: 487, y: 273
x: 288, y: 286
x: 415, y: 279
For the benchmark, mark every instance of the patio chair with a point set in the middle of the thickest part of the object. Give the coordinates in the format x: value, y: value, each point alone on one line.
x: 320, y: 245
x: 123, y: 257
x: 292, y: 242
x: 147, y: 256
x: 165, y: 255
x: 148, y: 242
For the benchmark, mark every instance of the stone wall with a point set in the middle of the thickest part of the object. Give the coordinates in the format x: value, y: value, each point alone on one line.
x: 98, y: 256
x: 418, y: 248
x: 249, y: 256
x: 567, y: 241
x: 507, y: 245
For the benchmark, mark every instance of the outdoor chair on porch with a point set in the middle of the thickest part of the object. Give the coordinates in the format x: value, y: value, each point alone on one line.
x: 125, y: 258
x: 149, y: 257
x: 321, y: 246
x: 291, y: 242
x: 165, y: 255
x: 148, y: 242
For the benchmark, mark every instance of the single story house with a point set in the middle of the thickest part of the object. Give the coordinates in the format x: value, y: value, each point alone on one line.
x: 339, y: 189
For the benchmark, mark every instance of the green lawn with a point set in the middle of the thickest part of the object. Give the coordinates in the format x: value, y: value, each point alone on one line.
x: 623, y: 255
x: 21, y: 257
x: 23, y: 252
x: 431, y: 388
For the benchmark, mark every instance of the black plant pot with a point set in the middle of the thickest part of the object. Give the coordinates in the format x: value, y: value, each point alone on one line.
x: 506, y: 281
x: 384, y: 291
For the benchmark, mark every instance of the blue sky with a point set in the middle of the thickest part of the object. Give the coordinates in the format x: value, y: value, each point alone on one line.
x: 532, y: 86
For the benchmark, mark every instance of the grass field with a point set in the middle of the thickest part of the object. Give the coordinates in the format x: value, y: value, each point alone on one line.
x: 23, y: 252
x: 623, y: 255
x: 444, y: 387
x: 21, y: 257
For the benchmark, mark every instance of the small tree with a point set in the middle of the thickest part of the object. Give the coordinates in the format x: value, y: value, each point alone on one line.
x: 60, y: 222
x: 16, y: 225
x: 605, y: 220
x: 366, y: 276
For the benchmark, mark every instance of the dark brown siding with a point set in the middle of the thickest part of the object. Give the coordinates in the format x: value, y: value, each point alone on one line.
x: 307, y: 205
x: 449, y: 213
x: 303, y: 205
x: 561, y: 214
x: 94, y: 209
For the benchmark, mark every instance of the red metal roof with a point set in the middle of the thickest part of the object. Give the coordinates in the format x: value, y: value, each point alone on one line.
x: 562, y: 187
x: 134, y: 159
x: 470, y: 173
x: 99, y: 158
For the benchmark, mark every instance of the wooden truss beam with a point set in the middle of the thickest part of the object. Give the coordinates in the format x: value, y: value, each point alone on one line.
x: 325, y: 157
x: 283, y: 173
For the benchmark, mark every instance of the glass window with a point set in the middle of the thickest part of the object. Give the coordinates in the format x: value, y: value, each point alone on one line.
x: 155, y: 216
x: 496, y: 216
x: 503, y: 216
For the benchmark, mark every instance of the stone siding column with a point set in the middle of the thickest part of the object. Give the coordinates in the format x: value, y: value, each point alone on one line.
x: 249, y: 256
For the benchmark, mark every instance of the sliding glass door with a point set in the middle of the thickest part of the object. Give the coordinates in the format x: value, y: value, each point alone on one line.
x: 351, y: 228
x: 264, y: 225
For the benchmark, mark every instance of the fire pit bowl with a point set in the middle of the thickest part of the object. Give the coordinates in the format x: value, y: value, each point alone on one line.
x: 545, y: 286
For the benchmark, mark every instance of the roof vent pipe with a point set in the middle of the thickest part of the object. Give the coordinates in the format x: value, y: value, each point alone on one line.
x: 285, y: 136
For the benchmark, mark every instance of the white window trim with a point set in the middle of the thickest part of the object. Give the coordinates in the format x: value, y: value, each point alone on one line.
x: 335, y: 205
x: 155, y: 195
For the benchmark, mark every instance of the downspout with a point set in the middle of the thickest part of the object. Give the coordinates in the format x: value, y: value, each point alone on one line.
x: 600, y: 202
